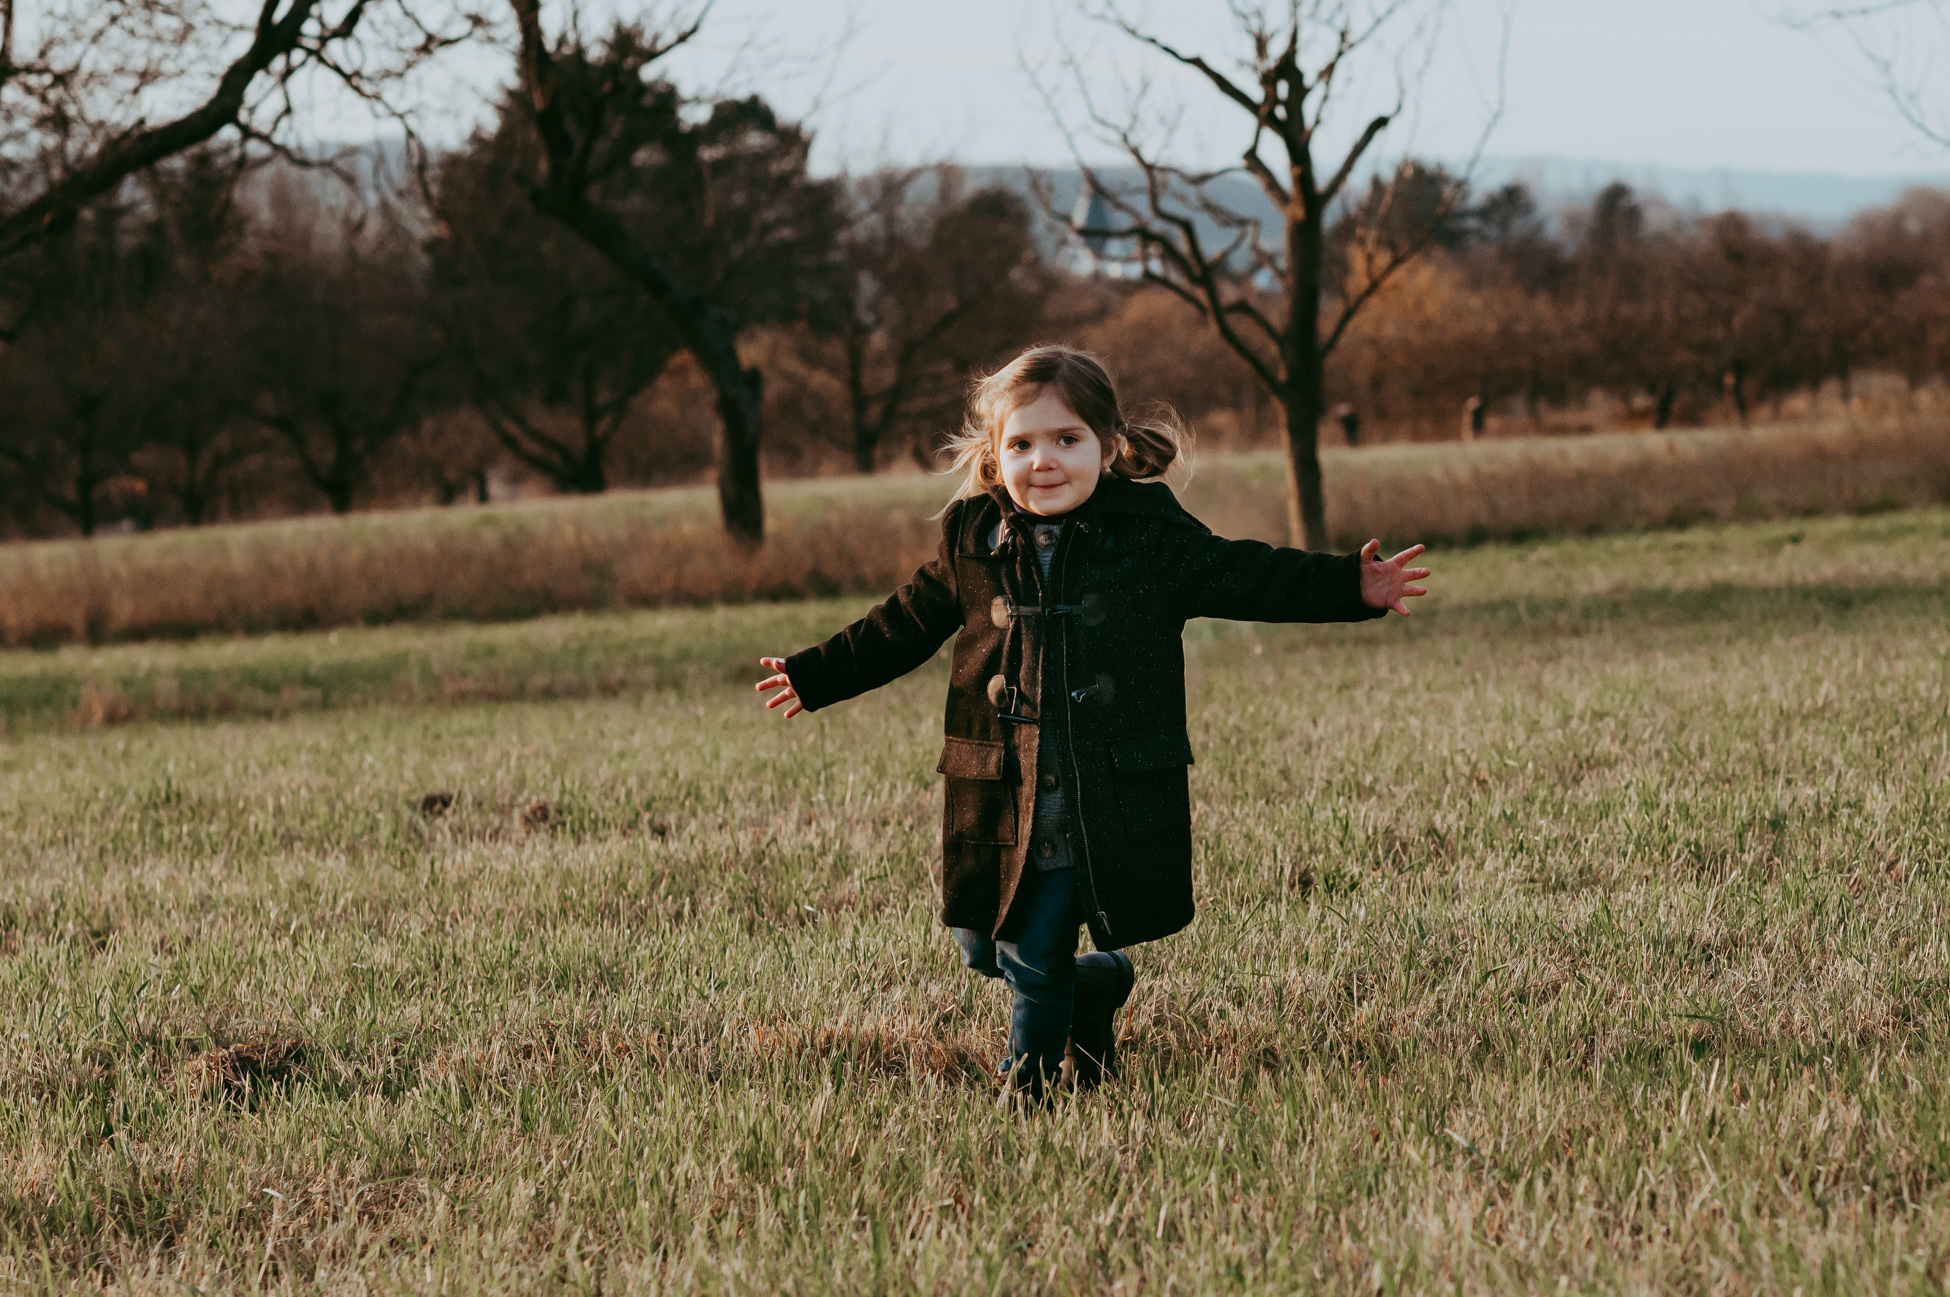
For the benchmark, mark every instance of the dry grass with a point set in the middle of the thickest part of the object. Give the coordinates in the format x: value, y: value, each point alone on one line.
x: 1518, y: 488
x: 1585, y: 933
x: 253, y: 580
x: 664, y: 548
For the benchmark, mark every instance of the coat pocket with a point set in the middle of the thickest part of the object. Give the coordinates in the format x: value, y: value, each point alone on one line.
x: 1153, y: 796
x: 980, y: 805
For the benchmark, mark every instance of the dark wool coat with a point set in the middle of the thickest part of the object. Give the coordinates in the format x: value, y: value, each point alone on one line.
x: 1096, y: 651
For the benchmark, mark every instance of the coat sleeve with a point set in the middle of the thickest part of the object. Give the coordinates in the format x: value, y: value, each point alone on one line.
x: 890, y: 641
x: 1247, y: 580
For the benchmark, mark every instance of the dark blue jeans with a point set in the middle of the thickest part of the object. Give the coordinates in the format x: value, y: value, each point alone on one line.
x: 1036, y: 954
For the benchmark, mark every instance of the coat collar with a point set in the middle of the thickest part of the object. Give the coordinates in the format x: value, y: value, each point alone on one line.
x: 1114, y: 496
x: 1121, y: 495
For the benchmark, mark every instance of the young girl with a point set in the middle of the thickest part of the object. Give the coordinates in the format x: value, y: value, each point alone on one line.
x: 1067, y: 579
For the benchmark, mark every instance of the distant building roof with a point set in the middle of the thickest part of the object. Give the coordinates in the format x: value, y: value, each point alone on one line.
x: 1092, y: 213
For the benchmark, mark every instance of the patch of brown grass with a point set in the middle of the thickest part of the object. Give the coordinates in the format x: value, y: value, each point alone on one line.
x: 238, y: 1073
x: 824, y: 540
x: 101, y: 707
x: 311, y: 578
x: 1518, y: 488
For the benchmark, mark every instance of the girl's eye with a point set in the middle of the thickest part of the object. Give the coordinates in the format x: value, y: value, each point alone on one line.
x: 1068, y: 439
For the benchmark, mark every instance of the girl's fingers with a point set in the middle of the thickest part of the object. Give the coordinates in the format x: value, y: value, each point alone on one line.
x: 1408, y: 554
x: 1370, y: 550
x: 1413, y: 589
x: 787, y: 697
x: 794, y: 710
x: 1414, y: 573
x: 773, y: 681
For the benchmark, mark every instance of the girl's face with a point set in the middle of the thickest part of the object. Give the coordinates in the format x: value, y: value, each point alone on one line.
x: 1050, y: 458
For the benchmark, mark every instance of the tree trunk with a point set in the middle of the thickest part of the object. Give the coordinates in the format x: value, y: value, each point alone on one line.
x: 1306, y: 510
x: 339, y: 477
x: 587, y: 474
x: 1662, y: 413
x: 1304, y: 381
x: 740, y: 500
x: 709, y: 334
x: 1736, y: 385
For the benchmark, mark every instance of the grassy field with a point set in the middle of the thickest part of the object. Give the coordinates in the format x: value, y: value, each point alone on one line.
x: 1587, y: 932
x: 834, y: 536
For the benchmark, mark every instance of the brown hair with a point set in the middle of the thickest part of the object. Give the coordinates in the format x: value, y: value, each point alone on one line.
x: 1145, y: 447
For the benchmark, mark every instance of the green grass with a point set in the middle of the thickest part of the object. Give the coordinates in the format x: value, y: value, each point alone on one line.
x: 1587, y: 931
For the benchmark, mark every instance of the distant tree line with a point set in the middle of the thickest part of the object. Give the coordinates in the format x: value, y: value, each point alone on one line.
x: 623, y: 286
x: 1679, y: 318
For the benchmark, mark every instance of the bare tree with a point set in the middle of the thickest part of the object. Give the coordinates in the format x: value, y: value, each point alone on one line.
x: 597, y: 113
x: 937, y: 282
x: 69, y: 419
x: 71, y: 106
x: 1282, y: 304
x: 117, y: 364
x: 339, y: 357
x: 195, y: 250
x: 192, y: 440
x: 555, y: 344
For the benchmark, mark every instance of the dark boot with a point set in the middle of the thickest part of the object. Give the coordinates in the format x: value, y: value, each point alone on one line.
x: 1104, y: 981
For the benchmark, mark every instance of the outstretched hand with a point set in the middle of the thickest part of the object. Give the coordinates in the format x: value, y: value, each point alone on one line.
x: 785, y: 698
x: 1385, y: 583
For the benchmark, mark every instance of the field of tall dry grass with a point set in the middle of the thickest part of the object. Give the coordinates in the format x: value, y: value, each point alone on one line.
x: 663, y: 548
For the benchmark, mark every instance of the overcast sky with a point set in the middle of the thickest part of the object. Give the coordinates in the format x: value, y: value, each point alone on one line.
x: 1684, y: 83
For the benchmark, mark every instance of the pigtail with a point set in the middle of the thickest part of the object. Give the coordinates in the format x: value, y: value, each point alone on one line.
x: 1154, y: 445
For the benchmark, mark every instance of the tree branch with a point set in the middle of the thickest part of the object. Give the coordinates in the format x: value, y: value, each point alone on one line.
x: 1183, y: 253
x: 1257, y: 168
x: 1333, y: 187
x: 6, y: 42
x: 1212, y: 74
x: 1375, y: 280
x: 275, y: 38
x: 509, y: 426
